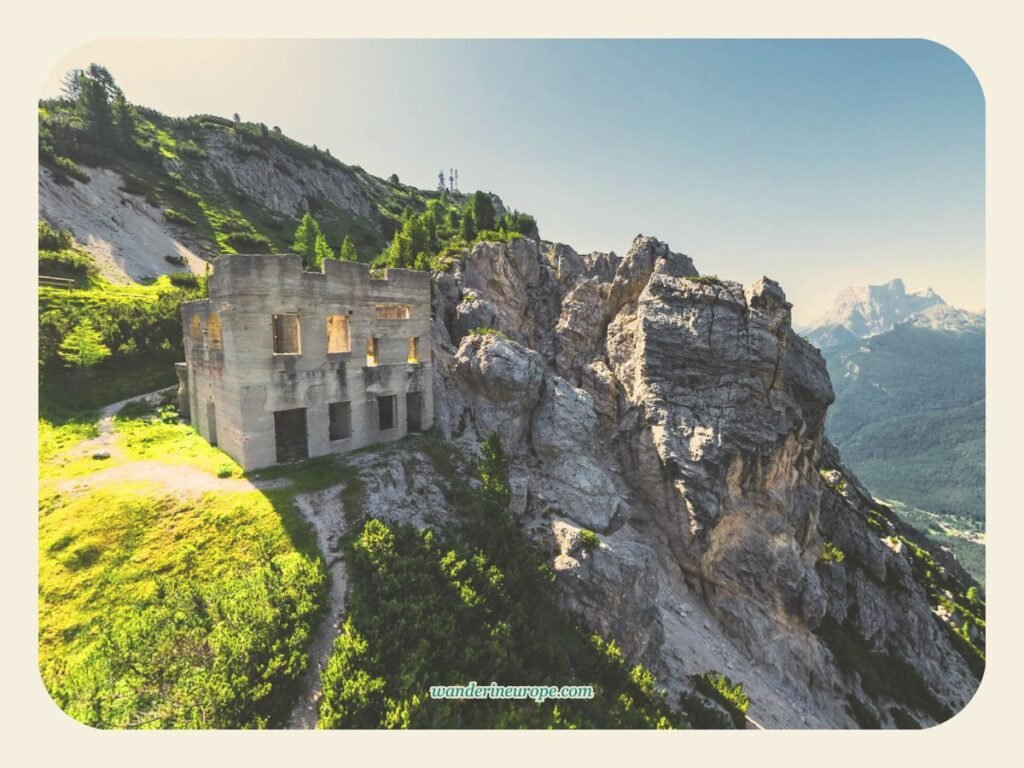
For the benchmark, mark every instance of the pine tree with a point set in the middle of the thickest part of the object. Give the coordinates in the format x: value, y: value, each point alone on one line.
x: 305, y: 242
x: 71, y: 85
x: 125, y: 120
x: 419, y: 234
x: 348, y: 250
x: 483, y: 211
x: 321, y: 251
x: 468, y: 231
x: 94, y: 107
x: 83, y: 347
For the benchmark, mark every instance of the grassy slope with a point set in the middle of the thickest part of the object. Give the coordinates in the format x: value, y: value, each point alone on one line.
x: 111, y: 554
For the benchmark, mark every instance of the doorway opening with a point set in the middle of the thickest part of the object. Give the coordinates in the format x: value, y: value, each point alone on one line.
x: 290, y: 435
x: 386, y: 407
x: 414, y: 412
x: 211, y: 422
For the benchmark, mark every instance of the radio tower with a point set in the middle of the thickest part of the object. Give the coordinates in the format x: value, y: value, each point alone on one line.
x: 440, y: 180
x: 451, y: 179
x: 456, y: 179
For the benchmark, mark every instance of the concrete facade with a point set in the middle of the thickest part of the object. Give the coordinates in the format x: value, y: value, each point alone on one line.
x: 282, y: 364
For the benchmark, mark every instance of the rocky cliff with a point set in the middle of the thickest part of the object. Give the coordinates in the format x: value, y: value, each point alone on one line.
x: 681, y: 419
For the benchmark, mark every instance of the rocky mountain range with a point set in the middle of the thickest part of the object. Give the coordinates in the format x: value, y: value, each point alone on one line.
x: 909, y: 414
x: 678, y: 417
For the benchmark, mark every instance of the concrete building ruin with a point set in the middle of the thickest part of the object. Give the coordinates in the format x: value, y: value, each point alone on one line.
x: 281, y: 364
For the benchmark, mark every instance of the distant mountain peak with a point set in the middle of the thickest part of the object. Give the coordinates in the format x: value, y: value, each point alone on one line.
x: 862, y: 311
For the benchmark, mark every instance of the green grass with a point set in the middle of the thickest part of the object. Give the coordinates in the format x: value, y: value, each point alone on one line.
x: 56, y: 438
x: 63, y: 398
x: 705, y: 279
x: 485, y: 331
x: 161, y: 609
x: 150, y: 440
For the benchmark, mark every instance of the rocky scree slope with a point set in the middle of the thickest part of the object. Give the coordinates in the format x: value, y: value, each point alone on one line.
x: 681, y: 419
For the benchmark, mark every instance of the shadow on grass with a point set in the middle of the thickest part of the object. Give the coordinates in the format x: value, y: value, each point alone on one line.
x: 67, y: 397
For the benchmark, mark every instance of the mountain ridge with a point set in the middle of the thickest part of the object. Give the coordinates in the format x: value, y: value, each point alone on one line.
x: 862, y: 311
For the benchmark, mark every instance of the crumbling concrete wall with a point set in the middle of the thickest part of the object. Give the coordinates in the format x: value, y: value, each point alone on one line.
x: 237, y: 381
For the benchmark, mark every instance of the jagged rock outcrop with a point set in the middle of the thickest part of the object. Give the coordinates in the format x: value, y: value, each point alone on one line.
x: 681, y: 419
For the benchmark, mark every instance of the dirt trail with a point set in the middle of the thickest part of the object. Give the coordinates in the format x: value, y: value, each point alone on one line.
x: 105, y: 441
x: 179, y: 478
x: 325, y: 512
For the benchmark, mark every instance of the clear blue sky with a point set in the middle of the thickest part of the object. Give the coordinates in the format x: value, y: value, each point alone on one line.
x: 820, y: 163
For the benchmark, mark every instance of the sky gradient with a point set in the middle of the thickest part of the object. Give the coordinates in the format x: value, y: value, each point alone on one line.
x: 820, y: 163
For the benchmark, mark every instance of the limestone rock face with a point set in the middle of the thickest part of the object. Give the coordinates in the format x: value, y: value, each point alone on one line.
x: 261, y: 177
x: 681, y: 419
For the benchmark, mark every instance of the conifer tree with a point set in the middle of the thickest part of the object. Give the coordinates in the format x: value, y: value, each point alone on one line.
x: 305, y: 243
x: 83, y: 347
x: 468, y: 231
x: 483, y: 211
x: 348, y: 250
x: 321, y: 251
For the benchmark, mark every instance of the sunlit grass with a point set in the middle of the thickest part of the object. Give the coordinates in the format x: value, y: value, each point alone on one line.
x: 141, y: 439
x: 55, y: 439
x: 104, y: 550
x: 116, y: 552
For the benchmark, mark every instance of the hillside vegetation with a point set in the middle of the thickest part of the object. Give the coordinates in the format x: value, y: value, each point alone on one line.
x: 161, y: 607
x: 167, y: 609
x: 473, y: 603
x: 99, y: 342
